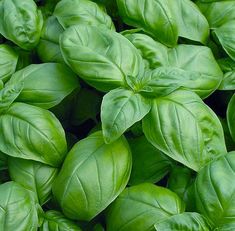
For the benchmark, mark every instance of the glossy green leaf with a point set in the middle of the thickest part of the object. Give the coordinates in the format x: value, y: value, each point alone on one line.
x: 185, y: 222
x: 188, y: 66
x: 8, y: 62
x: 18, y: 209
x: 48, y: 48
x: 184, y: 128
x: 215, y: 190
x: 45, y: 85
x: 3, y: 161
x: 34, y: 176
x: 22, y: 22
x: 221, y: 17
x: 120, y: 109
x: 75, y: 12
x: 227, y: 65
x: 139, y: 207
x: 231, y: 117
x: 92, y: 166
x: 166, y: 20
x: 104, y: 62
x: 8, y: 95
x: 29, y: 132
x: 226, y: 37
x: 56, y: 221
x: 149, y: 164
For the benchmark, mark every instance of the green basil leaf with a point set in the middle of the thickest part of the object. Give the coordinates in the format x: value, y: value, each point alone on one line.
x: 149, y: 164
x: 139, y: 207
x: 34, y: 176
x: 188, y: 66
x: 74, y: 12
x: 8, y: 95
x: 54, y: 220
x: 226, y: 37
x: 8, y: 62
x: 3, y: 161
x: 120, y: 109
x: 166, y: 20
x: 22, y: 22
x: 191, y: 23
x: 154, y: 53
x: 221, y: 17
x: 184, y: 128
x: 48, y: 48
x: 92, y: 176
x: 45, y: 85
x: 217, y: 12
x: 18, y: 210
x: 184, y: 221
x: 215, y: 190
x: 231, y: 117
x: 153, y: 16
x: 104, y: 62
x: 227, y: 65
x: 29, y: 132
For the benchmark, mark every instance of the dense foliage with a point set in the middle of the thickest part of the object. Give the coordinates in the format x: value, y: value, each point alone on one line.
x: 117, y: 115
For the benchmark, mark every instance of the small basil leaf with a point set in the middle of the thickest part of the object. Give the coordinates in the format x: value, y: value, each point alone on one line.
x: 139, y: 207
x: 120, y: 109
x: 92, y: 166
x: 34, y: 133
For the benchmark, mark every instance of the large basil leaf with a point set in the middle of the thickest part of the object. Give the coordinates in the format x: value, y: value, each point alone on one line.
x: 189, y: 66
x: 48, y: 48
x: 120, y: 109
x: 45, y: 85
x: 185, y: 222
x: 74, y: 12
x: 149, y: 164
x: 29, y: 132
x: 139, y: 207
x: 34, y: 176
x: 18, y: 209
x: 103, y: 62
x: 8, y: 62
x: 227, y: 65
x: 92, y: 176
x: 166, y: 20
x: 184, y: 128
x: 215, y: 192
x: 21, y: 22
x: 56, y: 221
x: 231, y: 116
